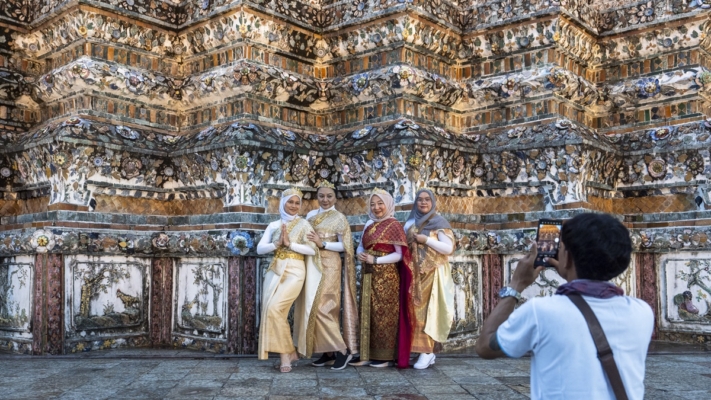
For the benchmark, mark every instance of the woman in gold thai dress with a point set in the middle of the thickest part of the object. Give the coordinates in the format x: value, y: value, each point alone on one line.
x: 333, y: 236
x: 295, y: 261
x: 383, y: 252
x: 431, y: 298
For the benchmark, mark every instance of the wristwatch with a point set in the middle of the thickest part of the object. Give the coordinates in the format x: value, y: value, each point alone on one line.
x: 509, y: 292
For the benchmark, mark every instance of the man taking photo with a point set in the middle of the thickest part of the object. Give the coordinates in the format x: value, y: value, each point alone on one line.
x: 594, y: 249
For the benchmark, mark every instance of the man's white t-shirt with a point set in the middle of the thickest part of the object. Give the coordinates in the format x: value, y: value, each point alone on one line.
x: 564, y: 363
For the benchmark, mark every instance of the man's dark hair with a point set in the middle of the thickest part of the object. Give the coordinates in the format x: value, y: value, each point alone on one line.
x: 599, y: 244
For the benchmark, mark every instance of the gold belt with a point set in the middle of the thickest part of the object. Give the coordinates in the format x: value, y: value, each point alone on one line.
x: 283, y: 253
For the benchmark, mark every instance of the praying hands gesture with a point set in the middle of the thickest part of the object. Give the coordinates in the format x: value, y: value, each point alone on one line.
x: 284, y: 239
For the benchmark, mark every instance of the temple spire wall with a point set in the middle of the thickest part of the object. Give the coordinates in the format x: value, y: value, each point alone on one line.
x: 153, y: 139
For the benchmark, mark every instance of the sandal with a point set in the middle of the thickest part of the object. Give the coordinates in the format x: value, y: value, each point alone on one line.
x: 294, y: 363
x: 285, y: 368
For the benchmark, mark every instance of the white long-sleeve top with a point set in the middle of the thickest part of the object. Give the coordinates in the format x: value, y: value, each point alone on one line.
x: 443, y: 246
x: 390, y: 258
x: 266, y: 246
x: 331, y: 246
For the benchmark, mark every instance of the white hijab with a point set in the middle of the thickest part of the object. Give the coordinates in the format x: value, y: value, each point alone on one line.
x: 285, y: 216
x: 389, y: 206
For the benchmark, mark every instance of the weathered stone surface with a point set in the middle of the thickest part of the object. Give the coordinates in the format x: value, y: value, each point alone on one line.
x: 163, y: 374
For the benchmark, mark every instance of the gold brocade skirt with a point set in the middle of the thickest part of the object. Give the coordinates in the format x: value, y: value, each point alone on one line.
x: 327, y: 327
x: 275, y: 335
x: 383, y: 318
x: 422, y: 342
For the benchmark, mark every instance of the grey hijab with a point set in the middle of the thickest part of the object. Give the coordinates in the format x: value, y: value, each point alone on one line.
x: 431, y: 221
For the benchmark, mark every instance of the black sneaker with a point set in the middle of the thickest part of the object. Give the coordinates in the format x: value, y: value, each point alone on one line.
x: 356, y: 362
x: 324, y: 360
x: 342, y: 360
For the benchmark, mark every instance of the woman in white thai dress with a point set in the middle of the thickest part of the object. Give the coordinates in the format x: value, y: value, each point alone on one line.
x: 296, y: 263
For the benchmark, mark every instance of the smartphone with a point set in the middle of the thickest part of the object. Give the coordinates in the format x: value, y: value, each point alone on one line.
x: 548, y: 240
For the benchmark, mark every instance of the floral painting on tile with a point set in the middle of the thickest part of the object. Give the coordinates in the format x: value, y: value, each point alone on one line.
x: 687, y: 304
x: 200, y: 304
x: 107, y: 293
x: 16, y: 279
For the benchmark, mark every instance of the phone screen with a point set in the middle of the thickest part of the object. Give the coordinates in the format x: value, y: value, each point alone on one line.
x: 548, y: 238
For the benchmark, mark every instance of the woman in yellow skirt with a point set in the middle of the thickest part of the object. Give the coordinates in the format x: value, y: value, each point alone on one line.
x: 431, y: 297
x: 332, y: 237
x: 295, y: 261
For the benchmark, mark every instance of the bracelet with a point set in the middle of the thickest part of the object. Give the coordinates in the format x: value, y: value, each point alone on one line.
x: 323, y: 246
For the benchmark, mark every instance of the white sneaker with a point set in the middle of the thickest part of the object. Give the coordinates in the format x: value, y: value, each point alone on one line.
x: 425, y: 360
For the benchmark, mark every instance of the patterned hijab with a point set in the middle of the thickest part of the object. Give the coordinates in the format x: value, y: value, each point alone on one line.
x: 389, y: 205
x: 431, y: 221
x: 285, y: 216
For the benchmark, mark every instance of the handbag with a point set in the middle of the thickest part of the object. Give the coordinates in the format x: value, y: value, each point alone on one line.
x: 604, y: 352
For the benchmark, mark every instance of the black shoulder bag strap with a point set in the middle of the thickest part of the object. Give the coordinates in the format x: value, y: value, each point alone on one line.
x: 604, y: 352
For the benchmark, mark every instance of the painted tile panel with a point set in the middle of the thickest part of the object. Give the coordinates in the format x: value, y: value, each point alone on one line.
x: 106, y: 295
x: 201, y: 293
x: 16, y: 288
x: 685, y: 285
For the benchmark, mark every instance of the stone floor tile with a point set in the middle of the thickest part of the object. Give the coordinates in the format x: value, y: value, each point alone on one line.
x: 151, y: 376
x: 486, y: 388
x: 375, y: 390
x: 240, y: 397
x: 248, y: 381
x: 85, y: 392
x: 154, y: 384
x: 332, y: 372
x: 401, y: 397
x: 451, y: 361
x: 687, y: 377
x: 501, y: 396
x: 189, y: 381
x: 476, y: 380
x: 440, y: 389
x: 339, y: 397
x: 345, y: 392
x: 208, y: 376
x: 294, y: 383
x: 192, y: 392
x: 341, y: 382
x: 30, y: 394
x: 251, y: 391
x: 290, y: 390
x: 430, y: 381
x: 141, y: 393
x: 676, y: 395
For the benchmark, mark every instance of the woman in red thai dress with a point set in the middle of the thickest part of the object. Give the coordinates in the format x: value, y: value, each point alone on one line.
x: 385, y: 322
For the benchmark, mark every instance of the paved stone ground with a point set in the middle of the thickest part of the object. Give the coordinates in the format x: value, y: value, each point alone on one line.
x: 150, y: 374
